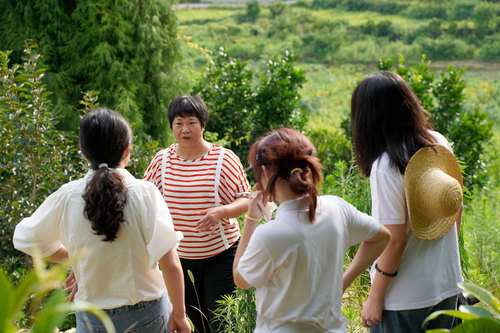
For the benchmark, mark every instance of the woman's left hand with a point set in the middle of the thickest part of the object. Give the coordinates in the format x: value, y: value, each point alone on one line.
x: 209, y: 221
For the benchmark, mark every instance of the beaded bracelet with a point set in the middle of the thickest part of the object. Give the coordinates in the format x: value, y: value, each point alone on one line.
x: 385, y: 273
x: 252, y: 218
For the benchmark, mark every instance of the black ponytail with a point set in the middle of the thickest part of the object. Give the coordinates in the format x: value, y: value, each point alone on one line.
x: 104, y: 136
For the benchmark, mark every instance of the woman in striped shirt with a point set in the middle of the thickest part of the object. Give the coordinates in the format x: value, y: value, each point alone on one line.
x: 205, y: 188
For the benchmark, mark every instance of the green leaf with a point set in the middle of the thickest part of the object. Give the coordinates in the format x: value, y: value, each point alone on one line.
x: 482, y: 295
x: 476, y: 310
x: 51, y: 315
x: 6, y: 295
x: 482, y: 325
x: 453, y: 313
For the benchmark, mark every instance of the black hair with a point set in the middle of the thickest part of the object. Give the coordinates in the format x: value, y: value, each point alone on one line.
x: 386, y: 116
x: 104, y: 136
x: 188, y: 106
x: 289, y: 155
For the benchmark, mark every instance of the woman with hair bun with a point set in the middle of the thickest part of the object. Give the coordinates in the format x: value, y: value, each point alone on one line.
x: 116, y: 230
x: 295, y: 261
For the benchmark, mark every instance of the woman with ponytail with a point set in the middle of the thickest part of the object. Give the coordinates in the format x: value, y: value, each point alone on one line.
x: 295, y: 261
x: 115, y: 230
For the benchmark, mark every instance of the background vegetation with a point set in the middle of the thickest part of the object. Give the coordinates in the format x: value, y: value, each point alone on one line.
x: 258, y: 66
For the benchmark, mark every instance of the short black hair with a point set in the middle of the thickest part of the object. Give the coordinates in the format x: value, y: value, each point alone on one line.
x: 188, y: 106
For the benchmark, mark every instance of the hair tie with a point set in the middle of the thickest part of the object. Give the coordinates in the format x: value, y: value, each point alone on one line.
x: 103, y: 165
x: 296, y: 169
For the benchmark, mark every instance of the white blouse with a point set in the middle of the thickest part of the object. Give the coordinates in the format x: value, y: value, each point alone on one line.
x: 109, y: 274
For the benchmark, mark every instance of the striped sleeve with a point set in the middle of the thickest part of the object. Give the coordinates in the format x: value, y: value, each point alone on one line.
x: 234, y: 183
x: 153, y: 172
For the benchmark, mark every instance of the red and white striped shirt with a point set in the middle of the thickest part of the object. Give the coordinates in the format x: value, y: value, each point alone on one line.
x: 188, y: 187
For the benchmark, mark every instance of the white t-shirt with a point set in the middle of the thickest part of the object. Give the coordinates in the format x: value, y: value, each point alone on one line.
x: 297, y: 266
x: 109, y: 274
x: 429, y: 269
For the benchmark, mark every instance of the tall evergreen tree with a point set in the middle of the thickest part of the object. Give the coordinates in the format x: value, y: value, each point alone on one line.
x: 126, y: 50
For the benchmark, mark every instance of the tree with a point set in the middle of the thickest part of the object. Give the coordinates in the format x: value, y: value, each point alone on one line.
x: 242, y: 108
x: 36, y: 158
x: 124, y: 50
x: 443, y: 96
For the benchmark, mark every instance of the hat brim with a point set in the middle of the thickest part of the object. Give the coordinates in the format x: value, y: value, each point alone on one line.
x: 426, y: 158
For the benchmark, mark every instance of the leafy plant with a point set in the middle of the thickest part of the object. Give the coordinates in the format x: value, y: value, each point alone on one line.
x: 237, y: 312
x: 36, y: 158
x: 39, y: 286
x: 475, y: 318
x: 240, y: 110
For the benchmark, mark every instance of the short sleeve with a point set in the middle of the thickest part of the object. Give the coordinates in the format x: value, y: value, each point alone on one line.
x: 157, y: 225
x: 388, y: 196
x: 40, y: 233
x: 153, y: 172
x: 235, y: 183
x: 361, y: 226
x: 256, y: 264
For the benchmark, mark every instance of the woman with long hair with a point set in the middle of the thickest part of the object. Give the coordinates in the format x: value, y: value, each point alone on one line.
x: 413, y: 277
x: 295, y: 261
x: 115, y: 230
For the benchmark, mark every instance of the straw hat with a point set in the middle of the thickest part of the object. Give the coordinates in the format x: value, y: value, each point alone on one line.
x: 433, y: 187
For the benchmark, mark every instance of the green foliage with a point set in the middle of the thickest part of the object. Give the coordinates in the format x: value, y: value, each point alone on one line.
x: 277, y: 8
x: 484, y: 17
x: 475, y: 318
x: 423, y: 10
x: 277, y: 97
x: 490, y: 50
x: 124, y: 50
x: 253, y: 10
x: 237, y: 312
x: 444, y: 98
x: 445, y: 47
x: 40, y: 286
x: 240, y: 110
x: 36, y: 158
x: 332, y: 147
x: 339, y: 35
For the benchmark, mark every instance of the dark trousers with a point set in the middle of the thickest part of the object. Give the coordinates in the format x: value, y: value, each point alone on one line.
x: 213, y: 277
x: 410, y: 321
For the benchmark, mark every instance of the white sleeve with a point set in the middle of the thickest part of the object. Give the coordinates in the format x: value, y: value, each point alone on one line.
x: 256, y: 264
x: 388, y: 195
x: 39, y: 234
x: 157, y: 225
x: 361, y: 226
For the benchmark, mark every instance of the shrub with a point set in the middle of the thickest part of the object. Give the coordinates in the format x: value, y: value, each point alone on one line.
x: 461, y: 10
x: 277, y: 8
x: 484, y: 17
x: 36, y: 158
x: 445, y: 48
x: 425, y: 10
x: 240, y: 109
x: 387, y: 6
x: 490, y: 49
x: 253, y: 10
